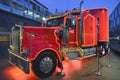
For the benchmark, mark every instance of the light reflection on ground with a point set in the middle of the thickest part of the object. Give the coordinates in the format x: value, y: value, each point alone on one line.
x: 13, y: 73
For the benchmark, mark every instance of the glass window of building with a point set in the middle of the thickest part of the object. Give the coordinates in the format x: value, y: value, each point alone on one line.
x: 30, y: 12
x: 112, y: 15
x: 119, y: 9
x: 37, y: 16
x: 46, y: 13
x: 33, y: 6
x: 26, y: 11
x: 5, y: 2
x: 38, y: 8
x: 26, y: 2
x: 117, y: 20
x: 21, y: 1
x: 31, y: 9
x: 115, y: 13
x: 18, y: 7
x: 113, y: 23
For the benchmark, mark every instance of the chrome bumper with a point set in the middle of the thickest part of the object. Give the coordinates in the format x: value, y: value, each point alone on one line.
x: 19, y: 61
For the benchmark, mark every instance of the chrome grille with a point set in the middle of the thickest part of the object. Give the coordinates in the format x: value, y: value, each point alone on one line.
x: 16, y: 41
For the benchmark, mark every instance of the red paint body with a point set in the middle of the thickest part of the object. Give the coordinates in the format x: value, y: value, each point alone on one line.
x: 48, y: 39
x: 102, y: 15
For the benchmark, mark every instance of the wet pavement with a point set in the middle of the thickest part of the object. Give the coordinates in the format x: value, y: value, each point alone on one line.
x: 115, y: 45
x: 74, y: 70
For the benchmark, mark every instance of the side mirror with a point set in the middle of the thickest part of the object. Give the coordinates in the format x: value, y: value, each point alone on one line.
x: 65, y: 34
x: 73, y: 21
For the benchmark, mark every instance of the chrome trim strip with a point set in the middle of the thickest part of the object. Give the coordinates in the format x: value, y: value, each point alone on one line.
x: 15, y: 54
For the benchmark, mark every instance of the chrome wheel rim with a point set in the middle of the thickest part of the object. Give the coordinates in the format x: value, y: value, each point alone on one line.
x: 46, y: 64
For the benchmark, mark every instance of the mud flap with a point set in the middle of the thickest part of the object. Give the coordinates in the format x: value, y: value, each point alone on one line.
x: 19, y: 61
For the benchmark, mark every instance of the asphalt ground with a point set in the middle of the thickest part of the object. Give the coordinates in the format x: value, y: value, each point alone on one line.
x: 115, y: 46
x: 74, y: 70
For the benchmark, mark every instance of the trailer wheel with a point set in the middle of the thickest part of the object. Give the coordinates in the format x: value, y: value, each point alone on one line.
x: 45, y: 64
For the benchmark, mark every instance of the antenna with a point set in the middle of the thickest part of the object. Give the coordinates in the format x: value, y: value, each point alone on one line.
x: 56, y: 11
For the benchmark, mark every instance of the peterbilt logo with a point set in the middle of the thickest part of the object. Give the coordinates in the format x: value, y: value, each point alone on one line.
x: 32, y: 34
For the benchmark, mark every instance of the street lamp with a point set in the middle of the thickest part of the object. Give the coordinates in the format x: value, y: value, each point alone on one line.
x: 44, y: 19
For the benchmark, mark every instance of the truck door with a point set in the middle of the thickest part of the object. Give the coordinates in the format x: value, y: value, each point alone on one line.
x: 71, y: 26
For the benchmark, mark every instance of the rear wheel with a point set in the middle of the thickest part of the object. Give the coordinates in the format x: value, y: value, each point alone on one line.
x: 45, y: 64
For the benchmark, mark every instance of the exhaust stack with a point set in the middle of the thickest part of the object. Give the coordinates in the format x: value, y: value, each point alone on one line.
x: 81, y: 23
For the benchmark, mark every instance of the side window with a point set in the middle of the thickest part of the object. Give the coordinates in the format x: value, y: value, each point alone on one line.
x: 68, y: 22
x: 49, y: 23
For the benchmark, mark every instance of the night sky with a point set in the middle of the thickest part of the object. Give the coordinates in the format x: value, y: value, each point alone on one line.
x: 63, y: 5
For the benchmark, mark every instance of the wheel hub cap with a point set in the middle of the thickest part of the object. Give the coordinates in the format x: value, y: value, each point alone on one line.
x: 46, y: 64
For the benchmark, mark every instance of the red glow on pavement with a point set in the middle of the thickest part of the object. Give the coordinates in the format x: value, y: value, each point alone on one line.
x: 71, y: 67
x: 14, y: 73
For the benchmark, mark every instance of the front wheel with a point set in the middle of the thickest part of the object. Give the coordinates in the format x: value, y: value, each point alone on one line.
x: 45, y: 64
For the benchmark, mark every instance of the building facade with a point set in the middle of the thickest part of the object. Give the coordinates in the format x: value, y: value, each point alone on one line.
x: 30, y: 12
x: 114, y: 19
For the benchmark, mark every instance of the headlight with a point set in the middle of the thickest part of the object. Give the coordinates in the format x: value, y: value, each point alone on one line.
x: 11, y: 47
x: 25, y: 52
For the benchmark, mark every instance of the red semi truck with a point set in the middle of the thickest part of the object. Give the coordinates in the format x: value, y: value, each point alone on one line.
x: 74, y: 35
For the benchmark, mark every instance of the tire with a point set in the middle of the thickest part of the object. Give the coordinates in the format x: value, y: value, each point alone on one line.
x: 45, y: 64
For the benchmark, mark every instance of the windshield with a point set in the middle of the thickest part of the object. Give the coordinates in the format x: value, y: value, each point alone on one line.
x: 55, y: 22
